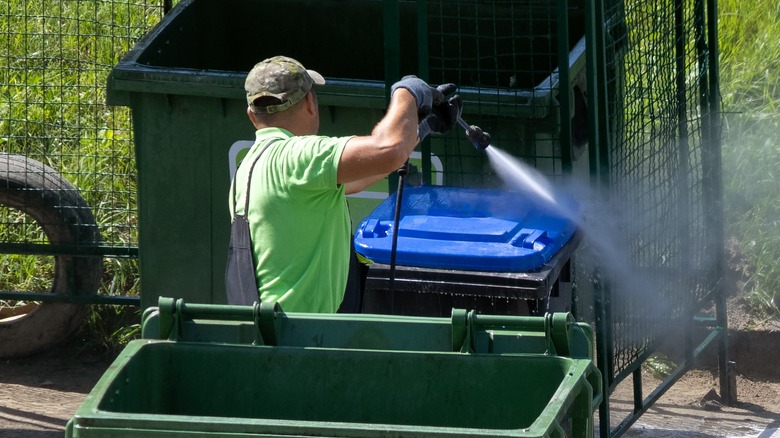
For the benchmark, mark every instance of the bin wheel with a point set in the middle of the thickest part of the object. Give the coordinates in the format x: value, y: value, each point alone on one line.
x: 65, y: 218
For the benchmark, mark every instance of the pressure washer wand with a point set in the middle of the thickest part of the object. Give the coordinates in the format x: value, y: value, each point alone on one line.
x: 479, y: 138
x: 396, y: 219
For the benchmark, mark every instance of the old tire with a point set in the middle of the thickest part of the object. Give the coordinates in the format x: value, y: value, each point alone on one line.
x: 65, y: 218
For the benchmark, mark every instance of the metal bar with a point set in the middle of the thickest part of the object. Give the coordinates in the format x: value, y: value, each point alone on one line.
x: 564, y: 92
x: 707, y: 321
x: 714, y: 189
x: 591, y: 48
x: 392, y: 49
x: 68, y: 298
x: 640, y: 360
x: 602, y: 107
x: 524, y: 323
x: 71, y: 250
x: 604, y: 351
x: 207, y: 311
x: 423, y: 70
x: 683, y: 151
x: 638, y: 390
x: 701, y: 58
x: 598, y: 150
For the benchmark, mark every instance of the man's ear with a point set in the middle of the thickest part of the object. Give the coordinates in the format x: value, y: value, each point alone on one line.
x: 311, y: 102
x: 252, y: 117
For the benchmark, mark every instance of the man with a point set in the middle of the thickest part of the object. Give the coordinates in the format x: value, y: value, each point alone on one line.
x: 298, y: 217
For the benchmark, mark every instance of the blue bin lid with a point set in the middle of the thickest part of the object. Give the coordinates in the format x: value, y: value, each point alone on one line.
x: 465, y: 228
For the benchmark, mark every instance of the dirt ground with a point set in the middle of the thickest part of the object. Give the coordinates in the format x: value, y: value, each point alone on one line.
x: 692, y: 407
x: 39, y: 394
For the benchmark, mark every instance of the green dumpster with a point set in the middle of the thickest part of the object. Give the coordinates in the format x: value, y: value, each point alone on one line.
x: 184, y: 84
x: 211, y: 370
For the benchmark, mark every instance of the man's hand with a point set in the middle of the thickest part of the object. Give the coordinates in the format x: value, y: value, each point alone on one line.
x: 441, y: 93
x: 422, y: 92
x: 444, y: 115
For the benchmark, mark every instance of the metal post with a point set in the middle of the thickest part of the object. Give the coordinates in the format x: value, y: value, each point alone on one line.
x: 683, y: 185
x: 598, y: 150
x: 424, y: 72
x: 604, y: 352
x: 713, y: 184
x: 392, y: 48
x: 598, y: 117
x: 564, y: 92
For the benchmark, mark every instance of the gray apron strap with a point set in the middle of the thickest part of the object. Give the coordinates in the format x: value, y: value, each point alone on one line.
x: 240, y: 280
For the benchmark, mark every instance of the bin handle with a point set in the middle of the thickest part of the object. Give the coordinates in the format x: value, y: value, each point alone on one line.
x: 461, y: 333
x: 167, y: 308
x: 173, y: 312
x: 556, y: 327
x: 265, y: 322
x: 560, y: 332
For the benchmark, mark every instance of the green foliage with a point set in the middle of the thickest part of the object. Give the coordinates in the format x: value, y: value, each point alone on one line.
x: 18, y: 271
x: 750, y: 83
x: 55, y: 58
x: 659, y: 366
x: 108, y: 329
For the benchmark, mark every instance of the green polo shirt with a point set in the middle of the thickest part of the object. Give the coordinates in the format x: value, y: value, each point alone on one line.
x: 299, y: 220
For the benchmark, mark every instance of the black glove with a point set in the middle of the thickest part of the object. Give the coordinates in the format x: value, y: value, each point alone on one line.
x: 443, y: 117
x: 441, y: 93
x: 422, y: 92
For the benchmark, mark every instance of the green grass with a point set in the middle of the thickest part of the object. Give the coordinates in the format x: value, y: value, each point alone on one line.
x: 750, y: 84
x: 109, y: 328
x: 54, y: 61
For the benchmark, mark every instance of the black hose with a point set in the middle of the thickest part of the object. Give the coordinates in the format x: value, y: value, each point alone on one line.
x: 402, y: 171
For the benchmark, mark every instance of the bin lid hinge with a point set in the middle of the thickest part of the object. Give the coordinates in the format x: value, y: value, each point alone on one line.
x: 266, y: 323
x: 461, y: 331
x: 473, y: 332
x: 170, y: 317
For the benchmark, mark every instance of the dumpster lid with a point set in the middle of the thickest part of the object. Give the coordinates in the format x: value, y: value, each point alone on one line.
x: 465, y: 228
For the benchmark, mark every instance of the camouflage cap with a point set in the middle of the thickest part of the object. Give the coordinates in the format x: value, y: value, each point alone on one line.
x: 280, y: 77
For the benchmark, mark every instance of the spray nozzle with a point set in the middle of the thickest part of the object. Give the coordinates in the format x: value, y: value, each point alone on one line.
x: 479, y: 138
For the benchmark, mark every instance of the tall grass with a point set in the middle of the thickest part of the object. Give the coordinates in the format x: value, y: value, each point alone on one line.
x: 750, y: 84
x: 55, y: 57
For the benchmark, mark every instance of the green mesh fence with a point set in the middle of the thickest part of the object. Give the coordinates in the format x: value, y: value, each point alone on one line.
x: 659, y: 162
x: 504, y: 57
x: 657, y: 91
x: 54, y: 126
x: 55, y: 58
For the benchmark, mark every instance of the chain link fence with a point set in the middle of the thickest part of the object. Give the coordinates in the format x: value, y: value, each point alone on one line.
x: 55, y: 57
x: 68, y: 215
x: 508, y: 53
x: 656, y: 170
x: 659, y: 164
